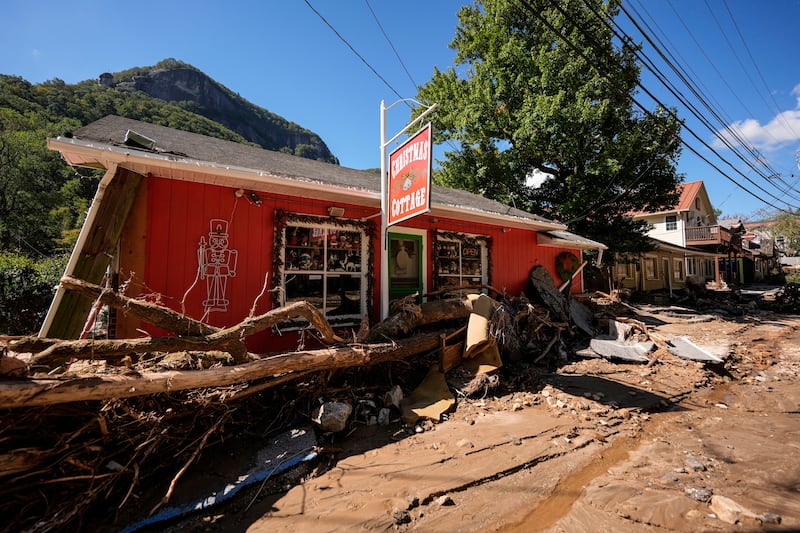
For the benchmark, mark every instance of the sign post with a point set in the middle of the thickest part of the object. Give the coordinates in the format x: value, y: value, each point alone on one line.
x: 411, y: 176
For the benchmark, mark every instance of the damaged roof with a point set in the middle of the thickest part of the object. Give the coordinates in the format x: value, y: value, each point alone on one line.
x: 566, y: 239
x: 103, y: 142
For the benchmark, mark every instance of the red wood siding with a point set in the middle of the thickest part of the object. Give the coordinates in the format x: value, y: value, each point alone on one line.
x: 179, y: 213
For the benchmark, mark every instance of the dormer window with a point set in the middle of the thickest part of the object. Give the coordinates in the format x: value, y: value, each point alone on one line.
x: 672, y: 222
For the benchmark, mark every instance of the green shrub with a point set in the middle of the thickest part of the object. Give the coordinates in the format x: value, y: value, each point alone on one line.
x: 793, y: 278
x: 787, y: 299
x: 27, y: 287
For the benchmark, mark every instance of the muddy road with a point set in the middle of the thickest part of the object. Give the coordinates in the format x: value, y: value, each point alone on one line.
x: 594, y: 446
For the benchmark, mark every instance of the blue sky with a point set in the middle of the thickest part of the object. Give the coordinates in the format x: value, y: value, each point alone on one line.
x: 741, y: 56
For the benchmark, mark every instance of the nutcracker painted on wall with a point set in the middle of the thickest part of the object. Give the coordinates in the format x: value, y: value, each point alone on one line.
x: 217, y: 264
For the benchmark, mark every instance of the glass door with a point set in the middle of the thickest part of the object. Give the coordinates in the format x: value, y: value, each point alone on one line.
x: 405, y: 265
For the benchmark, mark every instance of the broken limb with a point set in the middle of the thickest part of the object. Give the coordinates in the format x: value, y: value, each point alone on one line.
x: 154, y: 314
x: 229, y: 340
x: 405, y: 321
x: 32, y: 392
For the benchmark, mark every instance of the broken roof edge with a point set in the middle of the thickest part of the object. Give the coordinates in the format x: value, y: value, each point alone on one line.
x: 566, y: 239
x: 79, y: 152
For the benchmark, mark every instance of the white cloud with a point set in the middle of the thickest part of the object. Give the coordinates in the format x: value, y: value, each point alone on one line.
x: 778, y: 133
x: 536, y: 177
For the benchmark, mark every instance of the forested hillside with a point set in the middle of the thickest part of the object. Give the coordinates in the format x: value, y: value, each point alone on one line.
x: 43, y: 201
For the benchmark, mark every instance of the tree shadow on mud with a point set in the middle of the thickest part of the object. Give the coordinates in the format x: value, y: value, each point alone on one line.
x: 613, y: 393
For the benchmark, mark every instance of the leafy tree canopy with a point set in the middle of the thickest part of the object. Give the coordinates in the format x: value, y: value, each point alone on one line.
x: 783, y: 225
x: 546, y: 120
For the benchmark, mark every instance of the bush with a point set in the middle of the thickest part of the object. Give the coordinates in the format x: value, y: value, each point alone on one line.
x: 27, y: 287
x: 793, y: 278
x: 787, y: 299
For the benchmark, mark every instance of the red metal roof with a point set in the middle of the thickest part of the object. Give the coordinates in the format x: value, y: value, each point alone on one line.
x: 688, y: 193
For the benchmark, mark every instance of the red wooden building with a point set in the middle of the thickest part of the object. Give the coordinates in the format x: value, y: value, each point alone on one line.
x: 220, y: 230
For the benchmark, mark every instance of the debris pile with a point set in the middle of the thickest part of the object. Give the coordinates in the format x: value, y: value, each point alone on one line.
x: 89, y: 425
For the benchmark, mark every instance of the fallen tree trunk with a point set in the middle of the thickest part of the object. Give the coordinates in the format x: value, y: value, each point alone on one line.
x: 154, y: 314
x: 36, y: 392
x: 405, y: 321
x: 230, y: 340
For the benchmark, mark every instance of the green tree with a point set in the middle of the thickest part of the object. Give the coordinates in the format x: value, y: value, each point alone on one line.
x: 524, y: 102
x: 781, y: 225
x: 26, y: 289
x: 31, y: 182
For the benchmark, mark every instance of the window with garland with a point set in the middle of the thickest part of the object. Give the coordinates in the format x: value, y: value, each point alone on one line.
x: 460, y: 260
x: 325, y: 262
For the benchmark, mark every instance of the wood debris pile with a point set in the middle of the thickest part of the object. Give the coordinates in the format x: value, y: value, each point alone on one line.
x: 85, y: 425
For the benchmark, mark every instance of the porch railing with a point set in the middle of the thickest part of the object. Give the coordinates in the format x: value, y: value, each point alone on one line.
x: 700, y: 235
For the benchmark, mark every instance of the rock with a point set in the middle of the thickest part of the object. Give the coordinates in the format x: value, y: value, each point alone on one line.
x: 701, y: 494
x: 465, y: 443
x: 694, y: 463
x: 384, y: 416
x: 731, y: 512
x: 393, y: 397
x: 332, y: 416
x: 771, y: 518
x: 669, y: 476
x: 445, y: 500
x: 401, y: 516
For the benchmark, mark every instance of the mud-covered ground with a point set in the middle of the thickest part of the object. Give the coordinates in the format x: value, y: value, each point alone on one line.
x: 594, y: 446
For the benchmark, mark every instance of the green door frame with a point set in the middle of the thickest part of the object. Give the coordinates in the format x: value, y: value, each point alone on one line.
x: 405, y: 265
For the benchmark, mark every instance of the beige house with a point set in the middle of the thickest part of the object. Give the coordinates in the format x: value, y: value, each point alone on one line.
x: 688, y: 243
x: 663, y: 268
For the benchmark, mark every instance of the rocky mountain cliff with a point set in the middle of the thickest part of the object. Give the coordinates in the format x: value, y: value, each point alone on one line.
x: 183, y: 85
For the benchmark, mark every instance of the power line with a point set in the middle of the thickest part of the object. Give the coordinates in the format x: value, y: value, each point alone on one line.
x: 771, y: 175
x: 758, y: 70
x: 687, y: 79
x: 397, y: 55
x: 668, y: 84
x: 339, y: 35
x: 589, y: 60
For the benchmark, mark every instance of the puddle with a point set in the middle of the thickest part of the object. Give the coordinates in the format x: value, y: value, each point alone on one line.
x: 559, y: 503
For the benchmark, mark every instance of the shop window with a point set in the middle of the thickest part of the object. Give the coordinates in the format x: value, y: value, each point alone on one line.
x: 672, y: 222
x: 460, y: 260
x: 325, y: 263
x: 651, y: 267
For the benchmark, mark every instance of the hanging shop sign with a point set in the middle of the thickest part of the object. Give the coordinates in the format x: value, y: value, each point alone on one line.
x: 410, y: 178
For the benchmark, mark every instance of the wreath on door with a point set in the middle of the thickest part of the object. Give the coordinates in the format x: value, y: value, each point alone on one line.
x: 567, y: 264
